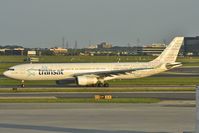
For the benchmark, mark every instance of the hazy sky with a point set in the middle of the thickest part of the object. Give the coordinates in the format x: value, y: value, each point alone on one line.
x: 43, y: 23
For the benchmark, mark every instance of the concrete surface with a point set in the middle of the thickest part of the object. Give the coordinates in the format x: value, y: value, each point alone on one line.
x: 95, y: 118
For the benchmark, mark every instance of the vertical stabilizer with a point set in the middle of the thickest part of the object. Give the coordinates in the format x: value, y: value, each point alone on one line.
x: 170, y: 54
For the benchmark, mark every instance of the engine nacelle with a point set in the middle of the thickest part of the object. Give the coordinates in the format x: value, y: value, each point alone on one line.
x: 86, y: 80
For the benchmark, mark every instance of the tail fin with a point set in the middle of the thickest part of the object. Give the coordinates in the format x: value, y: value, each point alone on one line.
x: 170, y: 54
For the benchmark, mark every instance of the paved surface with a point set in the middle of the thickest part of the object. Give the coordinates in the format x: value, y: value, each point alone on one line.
x: 159, y: 95
x: 95, y: 118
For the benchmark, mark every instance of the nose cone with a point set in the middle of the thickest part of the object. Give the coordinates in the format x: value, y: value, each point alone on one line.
x: 6, y: 73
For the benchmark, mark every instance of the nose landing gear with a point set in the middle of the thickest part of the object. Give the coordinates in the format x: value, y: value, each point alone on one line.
x: 22, y: 84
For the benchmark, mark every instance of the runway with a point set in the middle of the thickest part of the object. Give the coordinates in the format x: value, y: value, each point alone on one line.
x: 95, y: 118
x: 159, y: 95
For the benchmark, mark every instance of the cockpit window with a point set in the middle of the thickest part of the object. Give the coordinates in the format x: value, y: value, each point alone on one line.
x: 11, y: 69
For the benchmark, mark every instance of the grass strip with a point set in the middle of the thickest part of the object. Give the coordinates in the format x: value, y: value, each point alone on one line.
x: 139, y: 81
x: 24, y: 90
x: 79, y: 100
x: 158, y: 81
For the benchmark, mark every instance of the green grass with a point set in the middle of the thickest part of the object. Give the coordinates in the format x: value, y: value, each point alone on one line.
x: 158, y: 81
x: 26, y: 90
x: 7, y: 81
x: 19, y: 59
x: 189, y: 61
x: 79, y: 100
x: 11, y: 59
x: 139, y: 81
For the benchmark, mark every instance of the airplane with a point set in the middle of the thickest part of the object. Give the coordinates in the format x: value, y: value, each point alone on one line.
x: 97, y: 74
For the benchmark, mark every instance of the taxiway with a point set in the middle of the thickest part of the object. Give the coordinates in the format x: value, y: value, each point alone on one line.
x: 160, y: 95
x: 95, y: 118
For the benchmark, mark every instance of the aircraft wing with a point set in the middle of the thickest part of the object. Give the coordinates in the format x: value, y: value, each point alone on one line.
x: 112, y: 72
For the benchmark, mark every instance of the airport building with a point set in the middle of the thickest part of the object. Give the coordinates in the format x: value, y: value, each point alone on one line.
x: 104, y: 45
x: 2, y: 51
x: 92, y: 47
x: 116, y: 50
x: 191, y: 46
x: 31, y: 53
x: 59, y: 51
x: 153, y: 49
x: 15, y: 51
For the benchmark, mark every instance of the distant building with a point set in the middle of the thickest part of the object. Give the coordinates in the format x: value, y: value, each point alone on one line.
x: 59, y: 51
x: 15, y: 51
x: 92, y: 47
x: 104, y: 45
x: 31, y: 53
x: 191, y: 46
x: 3, y: 50
x: 153, y: 49
x: 21, y: 49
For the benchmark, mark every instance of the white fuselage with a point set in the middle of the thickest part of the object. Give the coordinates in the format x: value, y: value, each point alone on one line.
x: 61, y: 71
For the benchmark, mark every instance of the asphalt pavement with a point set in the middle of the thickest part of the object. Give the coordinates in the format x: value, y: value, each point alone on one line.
x: 95, y: 118
x: 160, y: 95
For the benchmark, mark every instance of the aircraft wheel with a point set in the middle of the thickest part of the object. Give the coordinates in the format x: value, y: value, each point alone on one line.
x: 94, y: 85
x: 99, y: 85
x: 22, y: 85
x: 106, y: 85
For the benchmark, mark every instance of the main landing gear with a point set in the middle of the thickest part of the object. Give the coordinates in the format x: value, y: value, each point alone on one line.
x: 101, y: 84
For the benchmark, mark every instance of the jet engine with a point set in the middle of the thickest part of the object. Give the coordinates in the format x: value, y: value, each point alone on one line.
x: 86, y: 80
